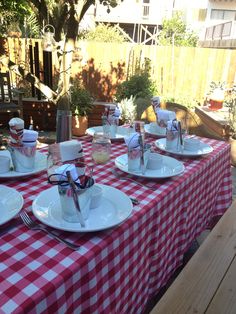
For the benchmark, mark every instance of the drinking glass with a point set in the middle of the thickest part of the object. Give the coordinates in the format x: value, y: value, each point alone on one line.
x: 101, y: 148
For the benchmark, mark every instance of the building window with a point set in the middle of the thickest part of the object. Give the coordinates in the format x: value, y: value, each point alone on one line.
x: 223, y: 15
x: 146, y: 6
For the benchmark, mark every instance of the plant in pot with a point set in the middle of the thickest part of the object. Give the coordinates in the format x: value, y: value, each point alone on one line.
x: 230, y: 103
x: 216, y: 95
x: 136, y: 91
x: 81, y: 106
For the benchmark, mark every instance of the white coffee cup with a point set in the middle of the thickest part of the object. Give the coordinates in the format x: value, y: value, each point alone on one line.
x: 191, y: 144
x: 155, y: 161
x: 96, y: 196
x: 5, y: 162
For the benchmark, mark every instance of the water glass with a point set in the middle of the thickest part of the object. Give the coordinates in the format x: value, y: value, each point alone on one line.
x: 101, y: 148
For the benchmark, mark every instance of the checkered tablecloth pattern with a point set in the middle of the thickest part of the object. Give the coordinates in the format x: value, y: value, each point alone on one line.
x: 116, y: 270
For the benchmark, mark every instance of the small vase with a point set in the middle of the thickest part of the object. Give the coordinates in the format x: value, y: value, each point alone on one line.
x: 79, y: 125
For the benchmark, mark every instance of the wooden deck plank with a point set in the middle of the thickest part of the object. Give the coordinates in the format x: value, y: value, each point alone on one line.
x: 194, y: 288
x: 224, y: 300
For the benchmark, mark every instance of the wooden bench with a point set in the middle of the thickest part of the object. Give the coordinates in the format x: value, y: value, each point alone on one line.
x: 207, y: 284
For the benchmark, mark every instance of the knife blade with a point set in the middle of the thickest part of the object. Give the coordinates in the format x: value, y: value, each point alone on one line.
x: 142, y: 154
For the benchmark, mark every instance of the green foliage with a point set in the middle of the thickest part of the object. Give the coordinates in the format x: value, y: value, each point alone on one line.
x: 81, y: 99
x: 175, y: 31
x: 104, y: 33
x: 13, y: 12
x: 184, y: 100
x: 139, y: 85
x: 230, y: 102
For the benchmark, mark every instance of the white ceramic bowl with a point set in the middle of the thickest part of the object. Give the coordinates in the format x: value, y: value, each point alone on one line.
x: 192, y: 144
x: 96, y: 196
x: 4, y: 164
x: 155, y: 161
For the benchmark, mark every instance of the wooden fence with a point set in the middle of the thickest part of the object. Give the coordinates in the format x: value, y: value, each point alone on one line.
x: 180, y: 72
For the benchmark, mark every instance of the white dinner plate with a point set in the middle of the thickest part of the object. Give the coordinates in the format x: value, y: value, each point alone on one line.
x: 114, y: 208
x: 203, y: 149
x: 121, y: 132
x: 148, y: 130
x: 40, y: 165
x: 11, y: 203
x: 171, y: 167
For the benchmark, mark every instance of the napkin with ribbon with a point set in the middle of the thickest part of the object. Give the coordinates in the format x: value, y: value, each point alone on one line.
x: 138, y: 152
x: 74, y: 192
x: 16, y: 127
x: 110, y: 120
x: 156, y: 103
x: 172, y: 134
x: 66, y: 152
x: 22, y: 145
x: 163, y: 116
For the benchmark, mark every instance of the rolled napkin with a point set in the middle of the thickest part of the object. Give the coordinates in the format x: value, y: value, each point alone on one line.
x: 110, y: 120
x: 70, y: 150
x: 156, y: 103
x: 16, y: 126
x: 137, y: 155
x: 29, y: 138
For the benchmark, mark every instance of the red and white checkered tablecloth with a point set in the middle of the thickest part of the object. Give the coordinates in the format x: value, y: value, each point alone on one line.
x: 116, y: 270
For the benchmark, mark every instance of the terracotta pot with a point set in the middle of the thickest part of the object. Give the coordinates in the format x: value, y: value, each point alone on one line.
x: 79, y: 125
x: 233, y: 151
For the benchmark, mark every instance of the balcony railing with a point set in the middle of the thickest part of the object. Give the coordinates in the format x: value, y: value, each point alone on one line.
x: 225, y: 30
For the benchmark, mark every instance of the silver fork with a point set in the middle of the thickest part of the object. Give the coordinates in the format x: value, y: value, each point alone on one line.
x: 35, y: 226
x: 127, y: 177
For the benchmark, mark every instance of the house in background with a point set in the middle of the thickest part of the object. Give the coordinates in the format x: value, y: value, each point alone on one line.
x: 141, y: 20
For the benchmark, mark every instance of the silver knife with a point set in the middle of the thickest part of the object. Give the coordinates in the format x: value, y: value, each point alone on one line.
x: 142, y: 154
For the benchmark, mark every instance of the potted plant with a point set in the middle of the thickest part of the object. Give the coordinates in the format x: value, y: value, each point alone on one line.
x: 81, y: 105
x: 216, y: 95
x: 230, y: 103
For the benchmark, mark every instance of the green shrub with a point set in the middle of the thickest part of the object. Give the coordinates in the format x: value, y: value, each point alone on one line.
x: 139, y: 85
x: 81, y: 99
x: 104, y: 33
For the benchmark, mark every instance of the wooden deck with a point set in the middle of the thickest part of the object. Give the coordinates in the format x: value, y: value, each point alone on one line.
x: 207, y: 283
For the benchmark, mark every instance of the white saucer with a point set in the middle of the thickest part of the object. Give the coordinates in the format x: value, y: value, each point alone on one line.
x: 115, y: 207
x: 11, y: 203
x: 171, y: 167
x: 121, y: 132
x: 40, y: 165
x: 203, y: 149
x: 147, y: 129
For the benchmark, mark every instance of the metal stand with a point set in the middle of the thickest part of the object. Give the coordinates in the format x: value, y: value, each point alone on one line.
x: 64, y: 125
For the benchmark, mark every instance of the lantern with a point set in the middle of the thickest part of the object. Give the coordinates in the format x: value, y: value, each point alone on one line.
x: 48, y: 40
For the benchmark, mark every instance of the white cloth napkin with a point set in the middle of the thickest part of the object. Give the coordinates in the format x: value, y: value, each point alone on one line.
x: 165, y: 115
x: 70, y: 150
x: 156, y: 103
x: 132, y: 141
x: 29, y: 138
x: 16, y: 126
x: 67, y: 167
x: 172, y: 125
